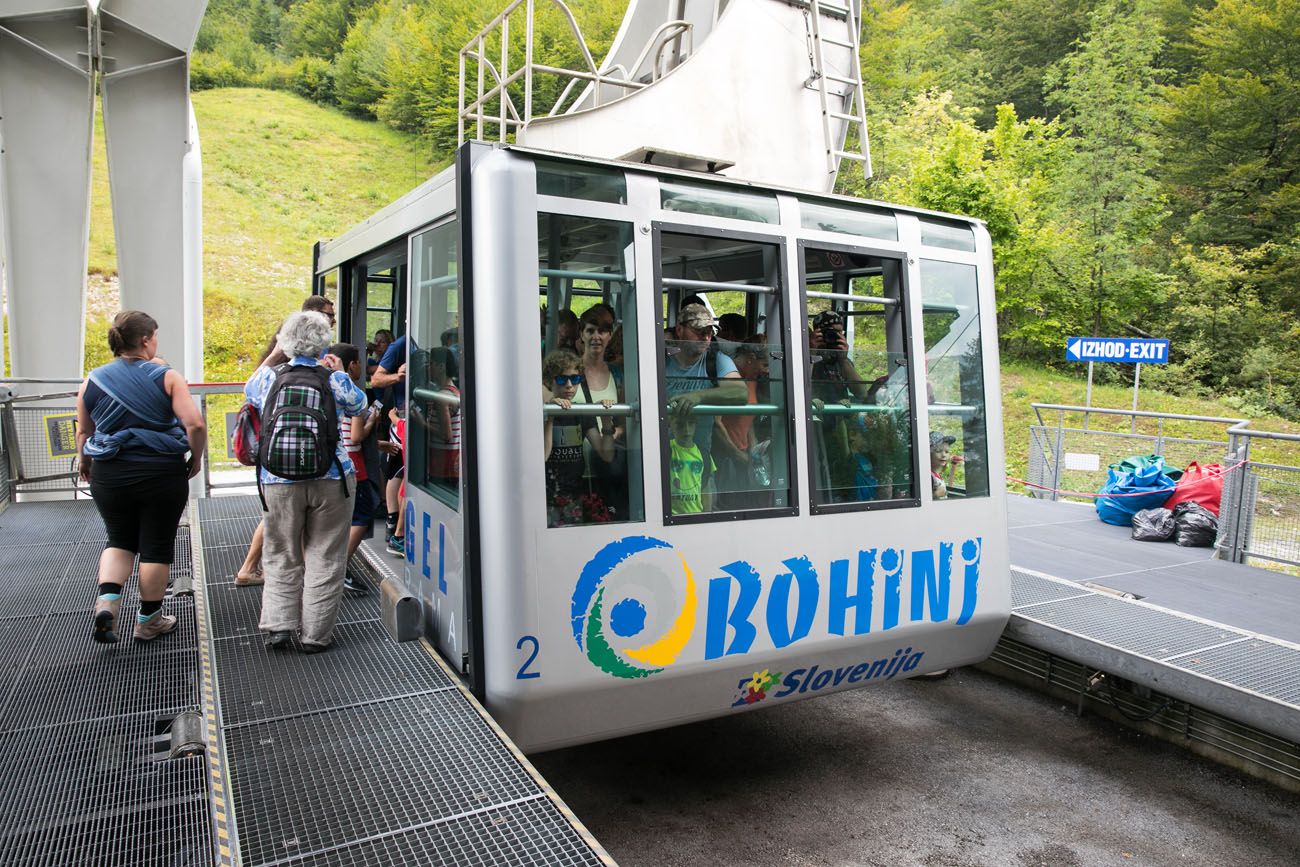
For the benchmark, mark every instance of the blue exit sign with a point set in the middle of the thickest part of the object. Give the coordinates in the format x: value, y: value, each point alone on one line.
x: 1130, y: 350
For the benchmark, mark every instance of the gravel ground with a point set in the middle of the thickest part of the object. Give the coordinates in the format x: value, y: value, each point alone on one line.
x: 970, y: 770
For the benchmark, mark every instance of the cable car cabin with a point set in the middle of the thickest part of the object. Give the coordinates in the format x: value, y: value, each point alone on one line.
x: 622, y: 516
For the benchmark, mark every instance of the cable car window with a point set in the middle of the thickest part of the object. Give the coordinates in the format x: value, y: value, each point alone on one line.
x: 951, y: 236
x: 433, y: 417
x: 328, y: 284
x: 715, y: 201
x: 724, y: 411
x: 578, y: 181
x: 381, y: 295
x: 955, y: 362
x: 860, y: 427
x: 588, y: 334
x: 849, y: 221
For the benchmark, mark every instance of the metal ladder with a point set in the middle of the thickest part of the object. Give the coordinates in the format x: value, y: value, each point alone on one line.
x: 849, y: 106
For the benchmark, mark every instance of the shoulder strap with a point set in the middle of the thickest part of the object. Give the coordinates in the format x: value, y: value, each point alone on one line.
x: 711, y: 363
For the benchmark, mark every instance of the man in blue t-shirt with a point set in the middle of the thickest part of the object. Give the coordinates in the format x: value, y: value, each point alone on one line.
x: 695, y: 373
x: 392, y: 371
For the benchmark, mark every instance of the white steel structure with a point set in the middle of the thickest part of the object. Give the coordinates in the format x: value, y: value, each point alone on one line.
x: 763, y: 90
x: 53, y: 53
x: 579, y: 619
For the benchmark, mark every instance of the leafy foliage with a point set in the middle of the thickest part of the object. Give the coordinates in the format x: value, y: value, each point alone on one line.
x: 1135, y: 160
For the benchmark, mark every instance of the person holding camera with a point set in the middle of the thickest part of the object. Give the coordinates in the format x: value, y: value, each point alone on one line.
x: 835, y: 379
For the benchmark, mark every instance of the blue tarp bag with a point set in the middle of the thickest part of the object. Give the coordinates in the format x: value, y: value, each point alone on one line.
x: 1127, y: 493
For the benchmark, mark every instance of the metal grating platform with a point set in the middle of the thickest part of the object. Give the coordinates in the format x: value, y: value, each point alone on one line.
x: 236, y: 609
x: 84, y: 781
x: 532, y: 832
x: 367, y: 754
x: 357, y: 788
x: 1231, y: 656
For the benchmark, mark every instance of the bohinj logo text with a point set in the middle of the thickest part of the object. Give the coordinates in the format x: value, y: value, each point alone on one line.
x: 731, y: 601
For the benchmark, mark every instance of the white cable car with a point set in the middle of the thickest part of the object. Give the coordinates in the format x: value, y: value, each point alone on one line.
x: 756, y: 518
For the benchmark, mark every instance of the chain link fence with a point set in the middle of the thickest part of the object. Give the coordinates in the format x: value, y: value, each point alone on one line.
x: 1259, y: 520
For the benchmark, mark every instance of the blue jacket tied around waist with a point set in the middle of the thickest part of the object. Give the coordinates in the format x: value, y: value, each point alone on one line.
x: 133, y: 388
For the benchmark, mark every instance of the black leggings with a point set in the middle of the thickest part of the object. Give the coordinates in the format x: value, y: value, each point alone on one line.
x: 141, y: 503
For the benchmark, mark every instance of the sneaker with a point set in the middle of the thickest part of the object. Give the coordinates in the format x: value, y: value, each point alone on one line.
x: 278, y: 639
x: 106, y: 611
x: 249, y: 579
x: 355, y: 586
x: 158, y: 624
x: 309, y: 647
x: 397, y: 546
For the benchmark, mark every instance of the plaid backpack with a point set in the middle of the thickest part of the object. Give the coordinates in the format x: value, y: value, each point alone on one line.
x: 300, y: 426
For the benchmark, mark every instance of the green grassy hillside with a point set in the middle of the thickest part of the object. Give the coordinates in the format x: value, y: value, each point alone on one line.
x: 281, y: 173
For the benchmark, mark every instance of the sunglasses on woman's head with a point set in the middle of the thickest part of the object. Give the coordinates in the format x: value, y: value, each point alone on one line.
x: 575, y: 379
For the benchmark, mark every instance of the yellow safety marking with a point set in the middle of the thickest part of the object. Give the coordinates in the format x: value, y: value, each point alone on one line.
x: 207, y: 675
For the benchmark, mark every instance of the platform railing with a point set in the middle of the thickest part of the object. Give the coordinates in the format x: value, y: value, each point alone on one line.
x: 497, y: 59
x: 1071, y: 448
x: 38, y: 450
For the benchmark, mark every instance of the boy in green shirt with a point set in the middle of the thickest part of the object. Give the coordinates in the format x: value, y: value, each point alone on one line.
x: 686, y: 469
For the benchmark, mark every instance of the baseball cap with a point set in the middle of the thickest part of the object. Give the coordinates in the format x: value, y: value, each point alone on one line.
x: 696, y: 316
x: 937, y: 438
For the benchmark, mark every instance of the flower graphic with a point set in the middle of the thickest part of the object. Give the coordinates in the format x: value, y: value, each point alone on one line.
x: 755, y: 689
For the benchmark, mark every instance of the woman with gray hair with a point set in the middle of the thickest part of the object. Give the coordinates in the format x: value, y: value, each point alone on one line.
x: 307, y: 484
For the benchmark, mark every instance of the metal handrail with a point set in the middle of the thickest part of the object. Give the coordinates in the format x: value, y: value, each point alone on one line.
x: 508, y: 117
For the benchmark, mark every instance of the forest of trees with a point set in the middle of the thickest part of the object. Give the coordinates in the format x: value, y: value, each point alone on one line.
x: 1136, y: 160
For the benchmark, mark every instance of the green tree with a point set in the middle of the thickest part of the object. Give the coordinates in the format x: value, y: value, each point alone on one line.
x: 1239, y: 186
x: 1107, y: 91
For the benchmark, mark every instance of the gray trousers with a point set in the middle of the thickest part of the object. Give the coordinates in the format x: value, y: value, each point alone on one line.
x: 305, y: 556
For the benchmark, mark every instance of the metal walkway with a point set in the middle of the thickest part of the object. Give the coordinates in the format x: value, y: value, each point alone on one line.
x: 86, y: 729
x: 1188, y: 634
x: 371, y: 753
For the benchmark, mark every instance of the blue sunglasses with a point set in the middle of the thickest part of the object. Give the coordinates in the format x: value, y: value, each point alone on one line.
x: 575, y: 379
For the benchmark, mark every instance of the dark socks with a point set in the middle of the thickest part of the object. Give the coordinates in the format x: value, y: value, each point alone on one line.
x: 148, y: 609
x: 110, y: 590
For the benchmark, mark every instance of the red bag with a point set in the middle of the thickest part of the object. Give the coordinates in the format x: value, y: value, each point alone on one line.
x: 1199, y: 484
x: 246, y: 434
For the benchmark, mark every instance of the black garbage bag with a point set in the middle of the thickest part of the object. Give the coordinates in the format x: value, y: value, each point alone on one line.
x: 1195, y: 526
x: 1153, y: 525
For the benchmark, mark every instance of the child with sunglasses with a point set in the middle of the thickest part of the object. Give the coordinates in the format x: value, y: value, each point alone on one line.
x: 568, y: 499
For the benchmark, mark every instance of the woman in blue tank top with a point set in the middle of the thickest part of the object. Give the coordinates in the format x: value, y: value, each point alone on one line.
x: 135, y: 423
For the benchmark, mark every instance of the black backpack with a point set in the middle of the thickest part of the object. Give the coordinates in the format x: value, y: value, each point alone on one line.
x: 300, y: 426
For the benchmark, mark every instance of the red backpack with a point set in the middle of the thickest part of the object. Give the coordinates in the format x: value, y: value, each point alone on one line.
x: 245, y: 436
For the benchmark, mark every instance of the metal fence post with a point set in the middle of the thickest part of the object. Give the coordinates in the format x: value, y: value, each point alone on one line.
x: 207, y: 464
x: 1241, y: 524
x: 1058, y: 449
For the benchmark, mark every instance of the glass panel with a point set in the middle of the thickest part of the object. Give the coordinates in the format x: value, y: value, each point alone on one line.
x: 433, y: 418
x: 718, y: 201
x: 860, y: 420
x: 379, y: 293
x: 955, y: 364
x: 726, y: 432
x: 951, y: 236
x: 578, y: 181
x: 329, y: 286
x: 588, y: 334
x: 850, y: 221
